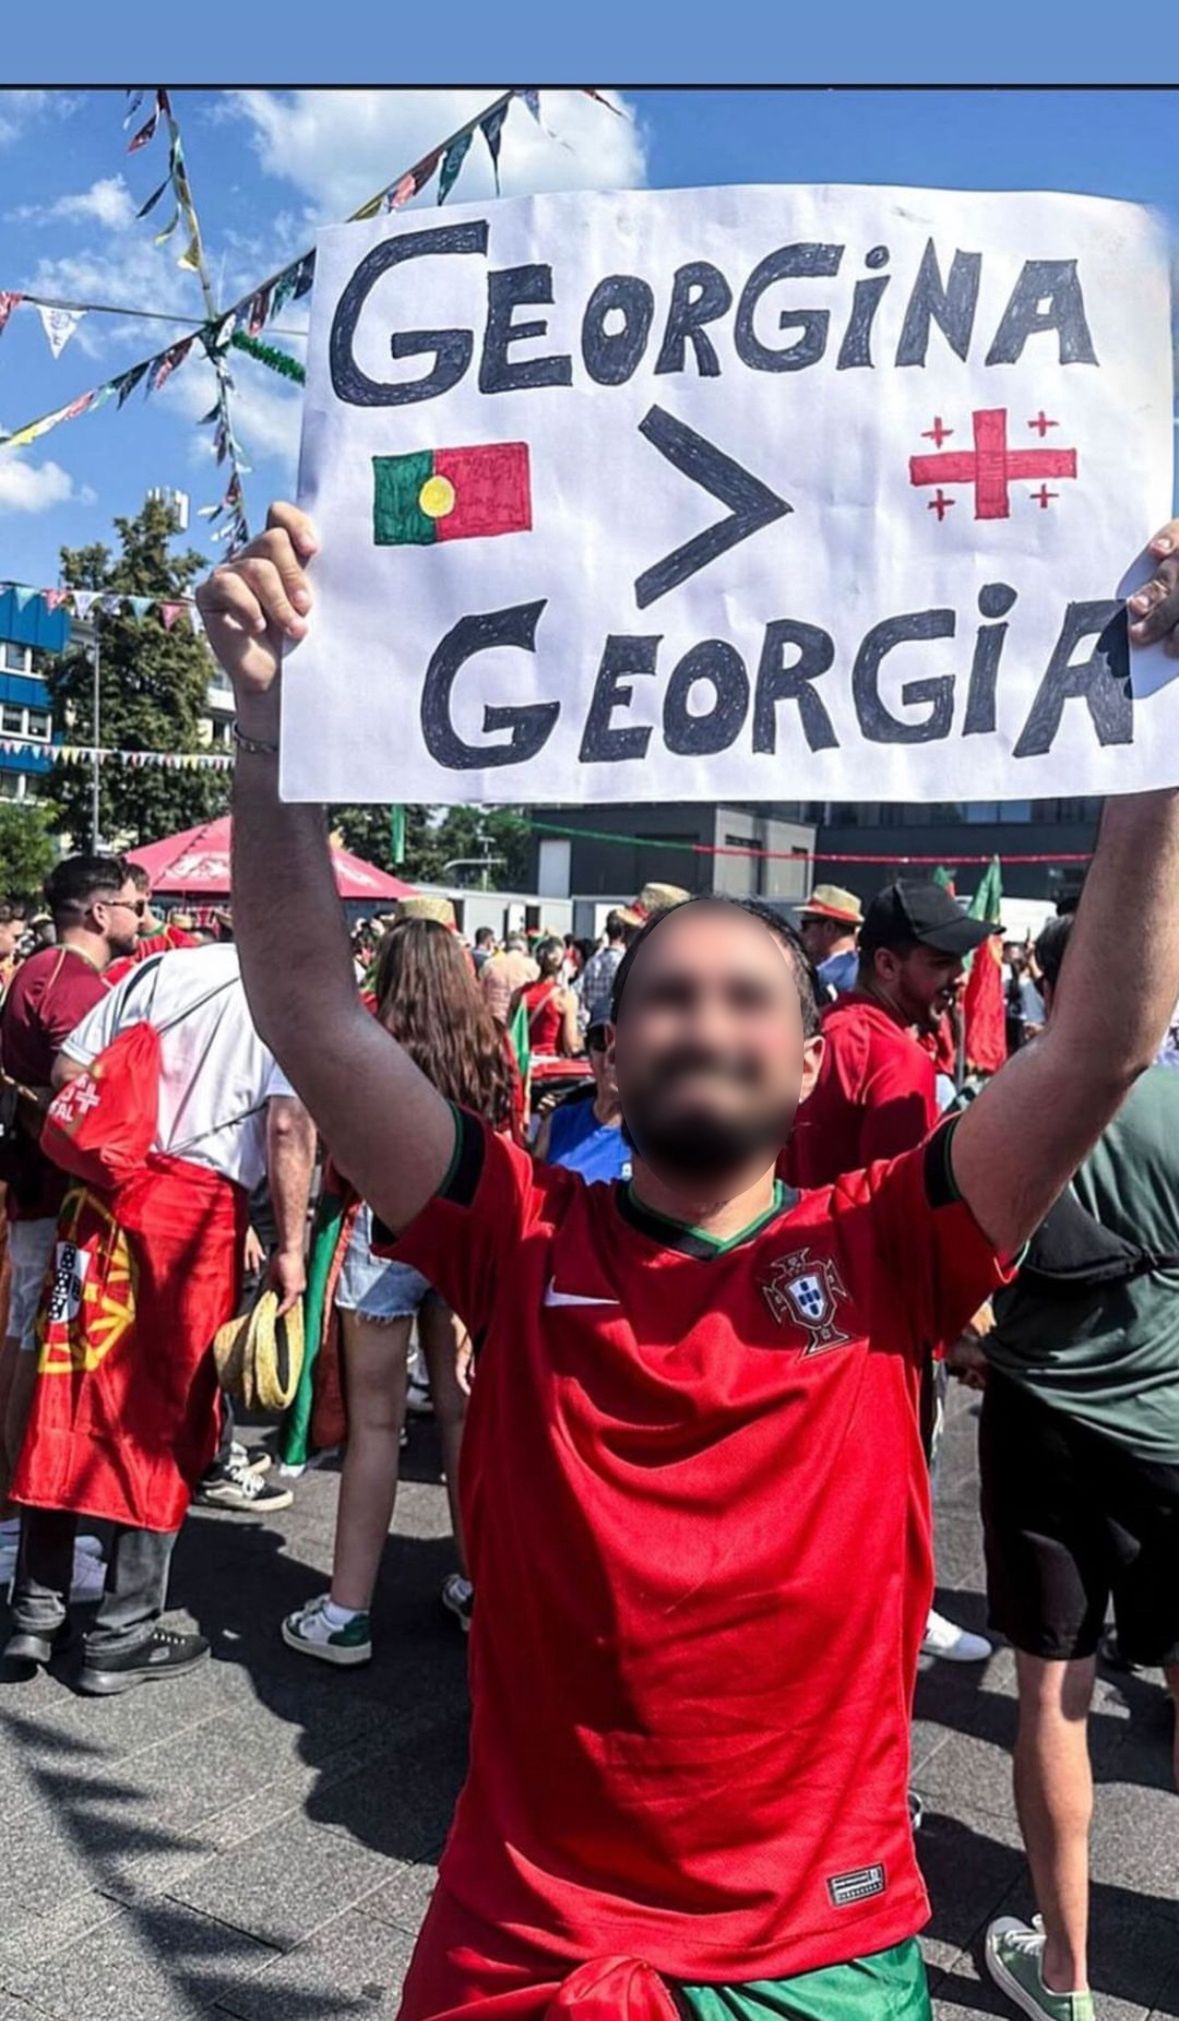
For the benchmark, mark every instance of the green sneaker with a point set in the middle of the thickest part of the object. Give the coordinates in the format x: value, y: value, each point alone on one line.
x: 310, y: 1630
x: 1015, y: 1955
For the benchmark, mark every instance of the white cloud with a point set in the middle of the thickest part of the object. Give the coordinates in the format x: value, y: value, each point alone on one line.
x: 338, y: 147
x: 36, y: 487
x: 19, y: 109
x: 107, y: 202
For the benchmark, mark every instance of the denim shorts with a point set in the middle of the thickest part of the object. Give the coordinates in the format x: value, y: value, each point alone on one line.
x: 373, y: 1286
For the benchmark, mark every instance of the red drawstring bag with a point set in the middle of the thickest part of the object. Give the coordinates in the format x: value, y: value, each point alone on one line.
x: 100, y: 1126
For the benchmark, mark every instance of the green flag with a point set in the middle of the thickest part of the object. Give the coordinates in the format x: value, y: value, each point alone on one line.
x: 397, y: 835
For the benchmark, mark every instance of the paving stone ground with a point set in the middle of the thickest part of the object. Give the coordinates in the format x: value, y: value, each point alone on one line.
x: 258, y: 1840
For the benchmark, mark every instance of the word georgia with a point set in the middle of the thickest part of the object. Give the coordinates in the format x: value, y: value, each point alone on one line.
x: 783, y: 695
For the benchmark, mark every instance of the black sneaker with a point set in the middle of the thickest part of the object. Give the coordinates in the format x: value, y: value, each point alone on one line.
x: 230, y: 1484
x: 164, y: 1654
x: 23, y: 1647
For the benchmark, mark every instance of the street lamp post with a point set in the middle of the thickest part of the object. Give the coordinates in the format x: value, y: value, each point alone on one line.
x: 95, y: 837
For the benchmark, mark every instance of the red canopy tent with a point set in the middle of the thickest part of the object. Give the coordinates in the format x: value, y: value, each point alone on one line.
x: 196, y: 865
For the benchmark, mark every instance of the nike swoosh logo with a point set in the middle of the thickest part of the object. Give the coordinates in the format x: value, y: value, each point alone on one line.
x: 554, y: 1297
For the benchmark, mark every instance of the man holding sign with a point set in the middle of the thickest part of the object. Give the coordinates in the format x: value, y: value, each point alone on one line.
x: 690, y: 1738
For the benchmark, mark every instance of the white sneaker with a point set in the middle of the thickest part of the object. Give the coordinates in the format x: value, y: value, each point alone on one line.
x: 955, y: 1645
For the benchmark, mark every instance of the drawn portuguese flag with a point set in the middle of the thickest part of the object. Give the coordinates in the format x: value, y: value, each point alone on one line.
x: 451, y: 494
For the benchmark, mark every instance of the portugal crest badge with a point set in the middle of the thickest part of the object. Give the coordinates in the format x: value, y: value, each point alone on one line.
x: 807, y: 1290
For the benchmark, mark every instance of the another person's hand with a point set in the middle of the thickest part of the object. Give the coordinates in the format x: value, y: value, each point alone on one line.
x: 251, y: 604
x: 1154, y: 609
x: 253, y: 1254
x: 966, y: 1358
x: 464, y: 1364
x: 287, y: 1278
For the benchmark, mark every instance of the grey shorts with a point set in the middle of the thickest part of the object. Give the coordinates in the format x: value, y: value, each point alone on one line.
x: 373, y: 1286
x: 30, y: 1251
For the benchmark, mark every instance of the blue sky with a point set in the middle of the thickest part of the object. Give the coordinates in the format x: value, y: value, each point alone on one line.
x: 268, y: 166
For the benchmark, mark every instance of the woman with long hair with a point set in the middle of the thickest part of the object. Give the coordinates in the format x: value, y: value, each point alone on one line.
x: 428, y: 998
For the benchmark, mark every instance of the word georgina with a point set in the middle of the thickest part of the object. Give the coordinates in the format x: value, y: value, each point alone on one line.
x: 794, y: 657
x: 619, y: 318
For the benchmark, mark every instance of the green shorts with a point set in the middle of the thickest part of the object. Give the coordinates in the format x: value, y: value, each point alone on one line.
x: 889, y: 1986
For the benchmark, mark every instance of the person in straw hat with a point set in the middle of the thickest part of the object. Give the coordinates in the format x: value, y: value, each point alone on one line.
x: 828, y: 923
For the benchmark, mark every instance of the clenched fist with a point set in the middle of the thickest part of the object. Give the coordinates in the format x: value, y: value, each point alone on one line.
x: 254, y: 602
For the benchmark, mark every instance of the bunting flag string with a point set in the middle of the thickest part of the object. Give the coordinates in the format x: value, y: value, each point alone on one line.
x: 79, y: 754
x: 260, y: 306
x: 110, y: 603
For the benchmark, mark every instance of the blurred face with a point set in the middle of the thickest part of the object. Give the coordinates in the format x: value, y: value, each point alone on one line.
x: 12, y: 932
x: 709, y: 1051
x: 601, y: 1059
x: 819, y: 936
x: 118, y: 918
x: 920, y: 984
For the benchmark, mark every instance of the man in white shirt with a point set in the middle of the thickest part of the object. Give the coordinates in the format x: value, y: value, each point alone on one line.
x: 125, y: 1413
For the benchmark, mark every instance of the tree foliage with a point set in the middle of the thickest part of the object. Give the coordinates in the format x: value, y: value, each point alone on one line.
x: 444, y: 845
x: 153, y: 686
x: 28, y: 850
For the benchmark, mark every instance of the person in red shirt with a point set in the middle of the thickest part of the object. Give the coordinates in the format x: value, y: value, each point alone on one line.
x: 551, y: 1006
x: 96, y: 911
x: 876, y: 1091
x: 156, y: 936
x: 876, y: 1095
x: 690, y: 1730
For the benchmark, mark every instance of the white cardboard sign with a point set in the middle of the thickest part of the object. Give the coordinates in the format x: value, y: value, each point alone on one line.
x: 741, y: 494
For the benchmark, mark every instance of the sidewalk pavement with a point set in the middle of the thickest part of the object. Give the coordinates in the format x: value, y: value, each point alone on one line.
x: 258, y: 1840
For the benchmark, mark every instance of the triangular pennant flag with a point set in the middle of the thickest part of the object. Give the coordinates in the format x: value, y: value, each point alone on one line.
x: 492, y: 130
x: 589, y: 92
x: 169, y: 228
x: 453, y: 160
x: 258, y: 311
x: 126, y: 385
x: 153, y: 200
x: 134, y: 101
x: 59, y: 326
x: 169, y: 612
x: 145, y: 133
x: 112, y: 604
x: 170, y: 360
x: 22, y: 597
x: 54, y: 598
x: 9, y: 301
x: 191, y: 256
x: 304, y: 277
x: 401, y: 192
x: 283, y: 289
x: 532, y: 101
x: 84, y: 601
x: 141, y: 605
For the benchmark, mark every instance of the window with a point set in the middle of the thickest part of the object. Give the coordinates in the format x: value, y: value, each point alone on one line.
x: 12, y: 721
x: 15, y: 659
x: 39, y: 723
x: 12, y: 785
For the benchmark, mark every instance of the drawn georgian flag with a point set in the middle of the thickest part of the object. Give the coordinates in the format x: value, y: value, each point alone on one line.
x: 451, y: 494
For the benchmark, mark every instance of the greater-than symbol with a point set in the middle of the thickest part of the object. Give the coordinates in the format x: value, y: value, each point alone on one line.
x: 751, y: 503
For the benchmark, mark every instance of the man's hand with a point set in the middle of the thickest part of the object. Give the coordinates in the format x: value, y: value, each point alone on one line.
x: 251, y: 604
x: 1154, y: 609
x: 287, y: 1278
x: 253, y: 1254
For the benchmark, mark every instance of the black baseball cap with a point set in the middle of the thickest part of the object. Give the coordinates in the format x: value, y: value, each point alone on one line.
x: 915, y: 910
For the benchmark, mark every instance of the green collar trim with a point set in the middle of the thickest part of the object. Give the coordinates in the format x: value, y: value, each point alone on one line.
x: 697, y: 1242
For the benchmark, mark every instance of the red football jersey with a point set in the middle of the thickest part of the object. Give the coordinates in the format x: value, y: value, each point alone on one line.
x: 697, y: 1513
x: 875, y: 1097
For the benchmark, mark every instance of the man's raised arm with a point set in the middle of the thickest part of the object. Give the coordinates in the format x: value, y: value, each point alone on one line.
x: 1019, y: 1144
x: 386, y: 1125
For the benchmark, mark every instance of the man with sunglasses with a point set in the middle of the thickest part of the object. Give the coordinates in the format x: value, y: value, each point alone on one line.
x: 96, y: 912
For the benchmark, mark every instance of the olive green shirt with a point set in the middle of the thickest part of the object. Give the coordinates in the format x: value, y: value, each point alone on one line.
x: 1110, y: 1357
